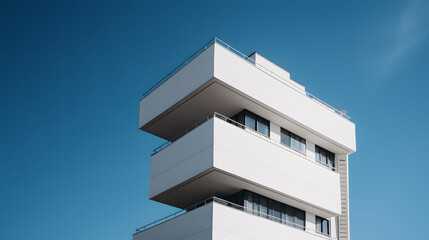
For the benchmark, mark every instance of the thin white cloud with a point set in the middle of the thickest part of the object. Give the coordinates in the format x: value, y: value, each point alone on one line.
x: 409, y: 32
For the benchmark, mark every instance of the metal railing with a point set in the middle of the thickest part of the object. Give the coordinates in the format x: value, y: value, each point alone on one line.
x: 252, y: 62
x: 235, y: 206
x: 183, y: 64
x: 174, y: 215
x: 244, y: 127
x: 205, y: 119
x: 183, y: 133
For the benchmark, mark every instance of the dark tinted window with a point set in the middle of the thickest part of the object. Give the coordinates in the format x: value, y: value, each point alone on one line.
x: 277, y: 211
x: 263, y: 126
x: 290, y: 219
x: 299, y: 218
x: 266, y: 207
x: 253, y: 121
x: 250, y: 121
x: 326, y: 157
x: 285, y: 138
x: 322, y: 225
x: 292, y: 140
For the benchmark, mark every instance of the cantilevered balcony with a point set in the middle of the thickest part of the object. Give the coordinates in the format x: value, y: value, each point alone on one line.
x: 218, y: 78
x: 218, y: 219
x: 218, y: 156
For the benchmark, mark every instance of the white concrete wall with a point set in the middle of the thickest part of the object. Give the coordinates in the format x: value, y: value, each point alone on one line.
x: 257, y: 160
x: 194, y: 225
x: 311, y: 150
x: 274, y: 68
x: 333, y: 227
x: 196, y: 73
x: 275, y: 95
x: 275, y: 132
x: 259, y: 59
x: 219, y: 222
x: 187, y: 157
x: 220, y: 145
x: 310, y: 222
x: 242, y: 76
x: 232, y: 224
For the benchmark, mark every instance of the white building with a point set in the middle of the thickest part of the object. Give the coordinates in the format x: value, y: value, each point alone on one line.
x: 251, y: 154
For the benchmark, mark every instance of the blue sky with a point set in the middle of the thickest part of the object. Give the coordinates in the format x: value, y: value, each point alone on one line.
x: 74, y: 164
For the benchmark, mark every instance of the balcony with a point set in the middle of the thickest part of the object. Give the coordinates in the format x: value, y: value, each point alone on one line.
x: 218, y: 156
x: 215, y: 218
x: 218, y: 78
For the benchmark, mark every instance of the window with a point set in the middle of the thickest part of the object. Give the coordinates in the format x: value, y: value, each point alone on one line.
x: 264, y: 207
x: 263, y: 126
x: 271, y: 209
x: 248, y: 202
x: 322, y: 225
x: 250, y: 121
x: 277, y: 211
x: 288, y: 212
x: 326, y: 157
x: 299, y: 219
x: 292, y: 140
x: 253, y: 121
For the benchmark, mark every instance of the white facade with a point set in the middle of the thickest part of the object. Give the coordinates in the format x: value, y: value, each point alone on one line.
x: 216, y: 221
x: 258, y: 162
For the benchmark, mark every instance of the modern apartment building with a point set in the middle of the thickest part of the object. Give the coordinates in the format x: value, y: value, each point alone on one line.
x: 249, y: 153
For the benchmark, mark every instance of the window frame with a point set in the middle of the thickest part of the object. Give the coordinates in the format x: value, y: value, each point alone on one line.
x: 291, y: 136
x: 322, y: 220
x: 287, y: 214
x: 319, y: 151
x: 241, y: 118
